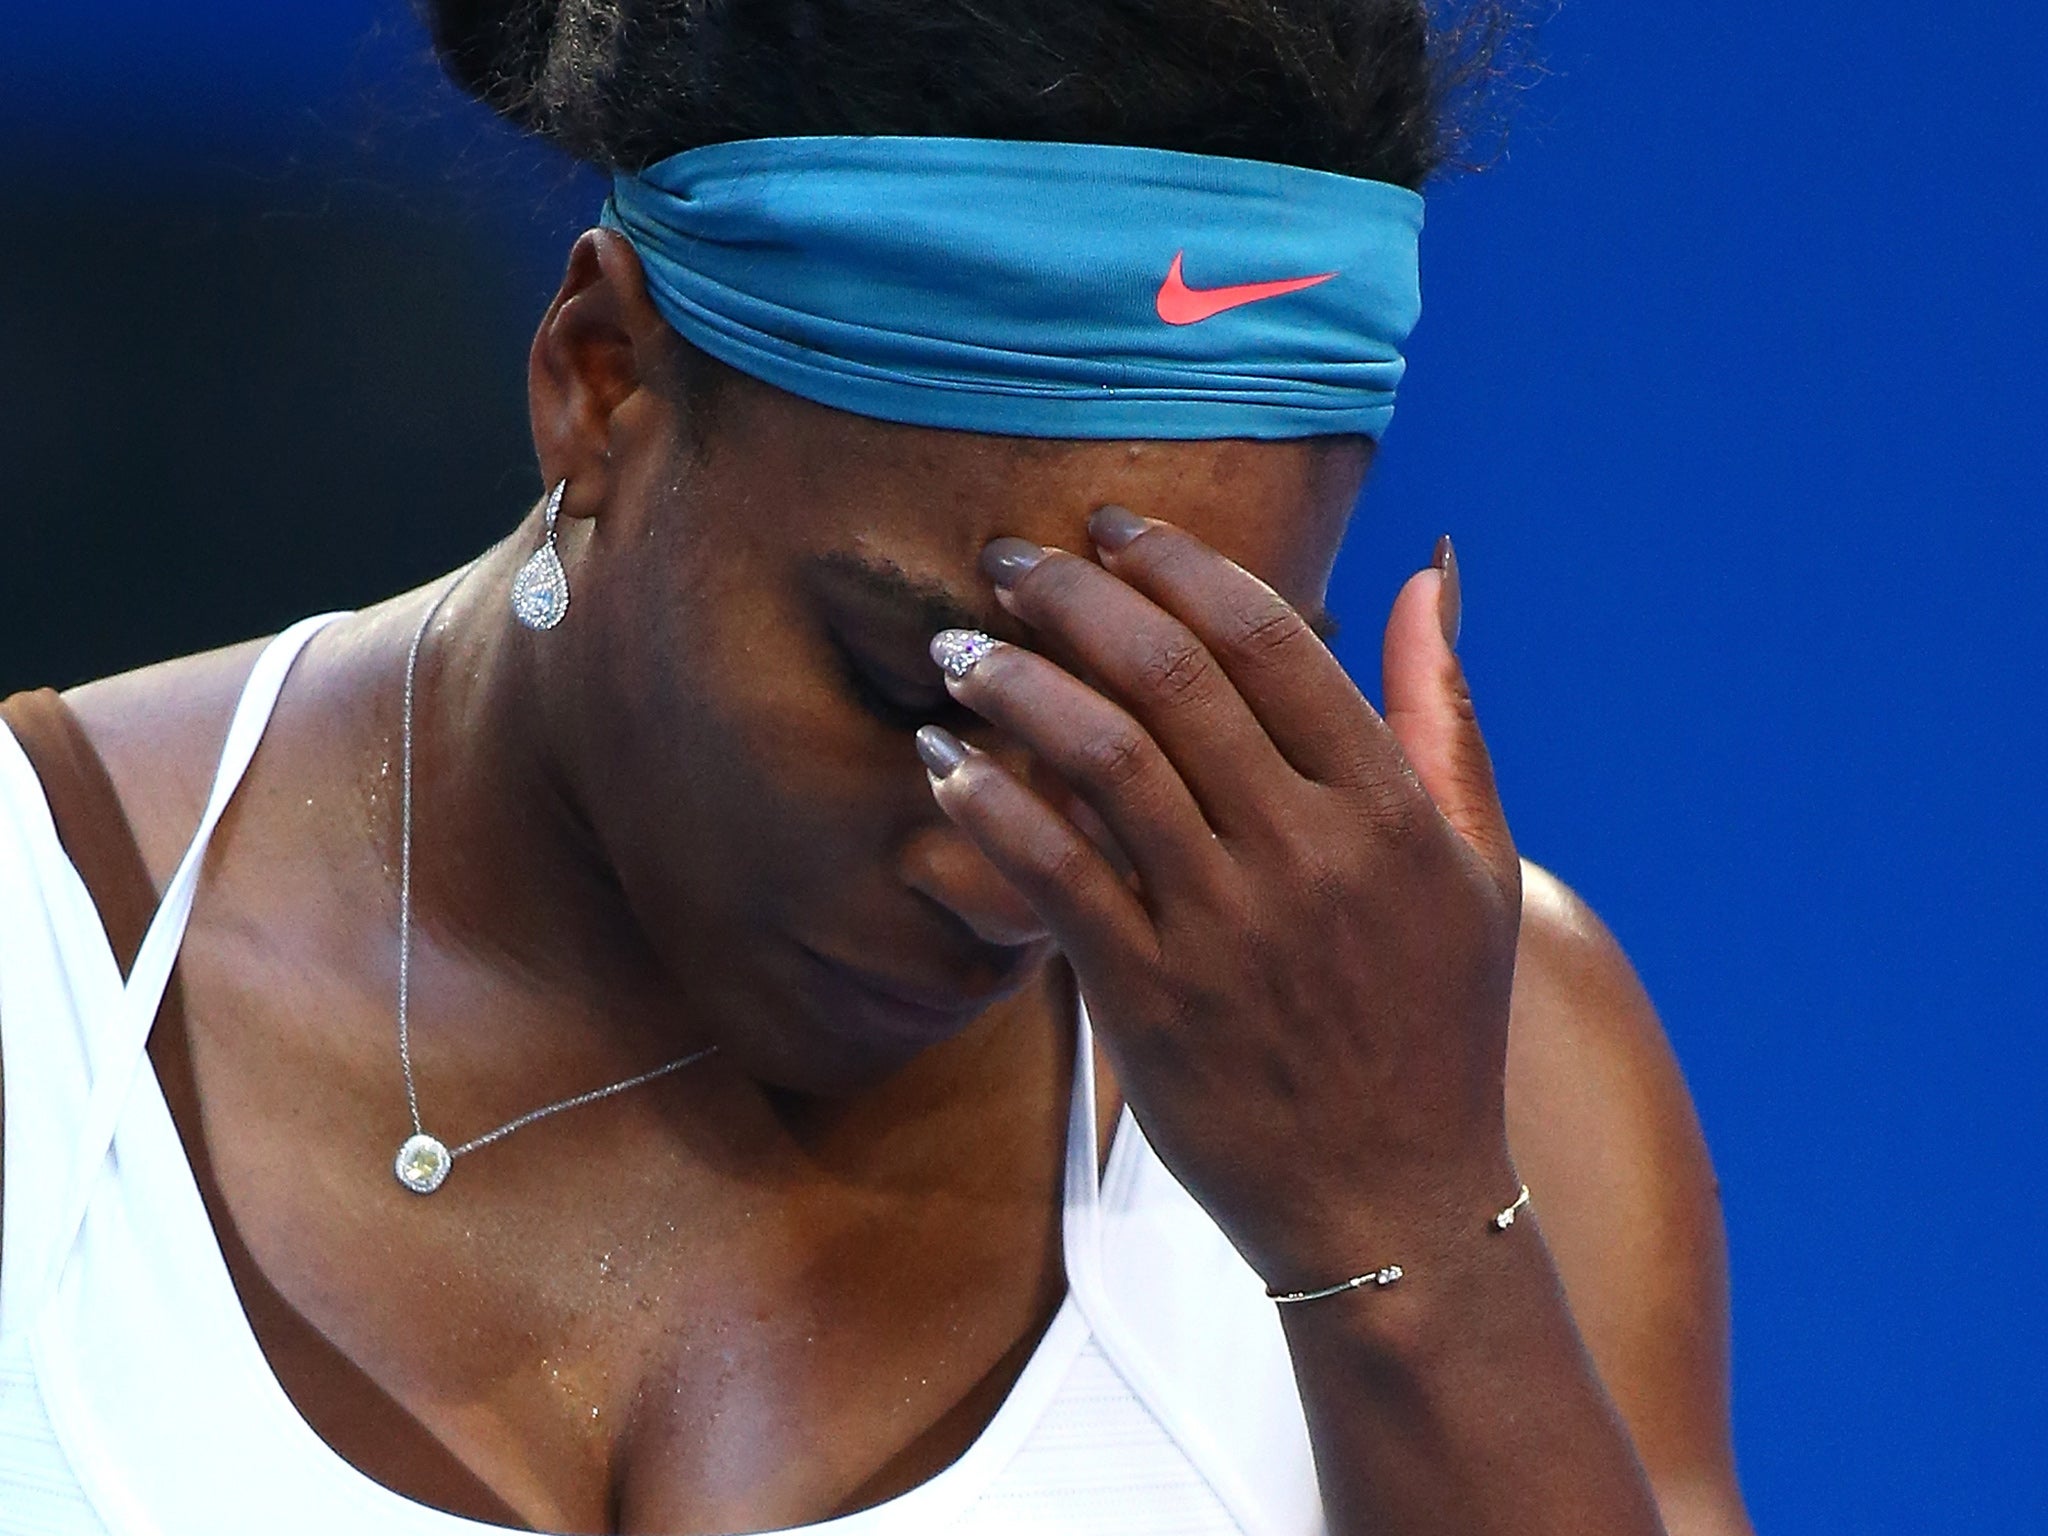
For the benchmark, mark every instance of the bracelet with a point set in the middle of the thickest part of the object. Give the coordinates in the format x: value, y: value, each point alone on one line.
x: 1506, y: 1218
x: 1379, y: 1278
x: 1375, y: 1277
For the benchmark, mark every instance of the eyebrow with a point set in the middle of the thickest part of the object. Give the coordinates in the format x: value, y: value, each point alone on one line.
x: 931, y: 604
x: 935, y: 606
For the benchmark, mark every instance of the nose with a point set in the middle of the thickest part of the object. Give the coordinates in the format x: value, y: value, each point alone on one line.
x: 942, y: 862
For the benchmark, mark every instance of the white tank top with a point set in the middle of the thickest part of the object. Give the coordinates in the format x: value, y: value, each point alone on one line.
x: 135, y: 1400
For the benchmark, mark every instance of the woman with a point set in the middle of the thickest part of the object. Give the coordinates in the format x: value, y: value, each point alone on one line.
x: 753, y: 1151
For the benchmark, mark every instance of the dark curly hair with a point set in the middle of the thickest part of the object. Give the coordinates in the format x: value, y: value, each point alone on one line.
x: 1362, y: 87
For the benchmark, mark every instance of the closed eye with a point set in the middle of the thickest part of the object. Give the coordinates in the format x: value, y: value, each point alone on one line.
x: 894, y: 700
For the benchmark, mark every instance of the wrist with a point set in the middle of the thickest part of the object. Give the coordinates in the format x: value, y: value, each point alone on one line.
x: 1464, y: 1397
x: 1432, y: 1220
x: 1461, y: 1307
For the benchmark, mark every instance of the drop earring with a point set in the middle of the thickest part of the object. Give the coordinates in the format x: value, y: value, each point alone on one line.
x: 540, y: 592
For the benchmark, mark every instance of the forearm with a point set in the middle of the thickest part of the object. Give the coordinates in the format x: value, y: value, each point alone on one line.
x: 1461, y: 1400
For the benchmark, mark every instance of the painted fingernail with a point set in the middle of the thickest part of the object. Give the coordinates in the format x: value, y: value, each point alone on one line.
x: 1450, y: 597
x: 1008, y: 561
x: 1113, y: 527
x: 957, y: 650
x: 940, y: 749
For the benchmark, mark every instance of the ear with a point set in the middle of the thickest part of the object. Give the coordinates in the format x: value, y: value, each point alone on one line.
x: 600, y: 345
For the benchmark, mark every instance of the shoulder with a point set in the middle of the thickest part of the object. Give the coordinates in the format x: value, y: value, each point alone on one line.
x: 159, y: 730
x: 1605, y: 1134
x: 1595, y: 1091
x: 1585, y: 1037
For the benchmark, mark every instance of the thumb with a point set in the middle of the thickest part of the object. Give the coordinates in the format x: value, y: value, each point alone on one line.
x: 1429, y: 709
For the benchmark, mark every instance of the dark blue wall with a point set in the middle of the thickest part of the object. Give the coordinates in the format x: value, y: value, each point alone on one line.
x: 1730, y: 386
x: 1733, y: 383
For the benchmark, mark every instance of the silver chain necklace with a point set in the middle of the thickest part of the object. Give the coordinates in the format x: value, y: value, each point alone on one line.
x: 423, y: 1161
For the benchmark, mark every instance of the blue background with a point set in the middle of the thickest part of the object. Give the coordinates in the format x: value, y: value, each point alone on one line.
x: 1730, y: 385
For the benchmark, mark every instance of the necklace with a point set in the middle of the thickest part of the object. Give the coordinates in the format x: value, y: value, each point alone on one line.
x: 423, y: 1161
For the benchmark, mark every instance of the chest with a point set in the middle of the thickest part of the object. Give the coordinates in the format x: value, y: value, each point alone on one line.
x: 604, y: 1311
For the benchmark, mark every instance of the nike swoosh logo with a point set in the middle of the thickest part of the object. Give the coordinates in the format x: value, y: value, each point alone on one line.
x: 1181, y: 305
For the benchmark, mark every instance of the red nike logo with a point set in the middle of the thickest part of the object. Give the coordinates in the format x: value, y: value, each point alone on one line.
x: 1181, y: 305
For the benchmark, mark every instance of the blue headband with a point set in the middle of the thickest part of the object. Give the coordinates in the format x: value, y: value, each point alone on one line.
x: 1036, y: 290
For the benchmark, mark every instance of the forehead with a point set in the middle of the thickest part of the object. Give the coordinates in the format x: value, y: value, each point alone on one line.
x: 923, y: 501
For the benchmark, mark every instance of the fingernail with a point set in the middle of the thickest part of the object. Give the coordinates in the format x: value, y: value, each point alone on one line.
x: 957, y: 650
x: 1009, y: 561
x: 1450, y: 597
x: 1113, y: 527
x: 940, y: 749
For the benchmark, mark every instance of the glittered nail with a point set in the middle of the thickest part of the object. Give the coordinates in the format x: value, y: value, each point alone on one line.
x: 957, y: 650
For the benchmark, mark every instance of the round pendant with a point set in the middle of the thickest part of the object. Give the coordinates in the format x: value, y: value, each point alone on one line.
x: 422, y: 1164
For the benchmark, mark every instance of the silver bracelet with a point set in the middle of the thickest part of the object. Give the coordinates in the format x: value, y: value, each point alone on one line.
x: 1378, y: 1278
x: 1374, y: 1277
x: 1506, y: 1218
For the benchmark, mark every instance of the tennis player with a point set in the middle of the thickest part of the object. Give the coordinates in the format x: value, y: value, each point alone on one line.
x: 865, y: 971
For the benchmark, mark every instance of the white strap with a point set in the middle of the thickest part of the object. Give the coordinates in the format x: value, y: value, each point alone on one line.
x: 1083, y: 1237
x: 1081, y: 1230
x: 151, y: 973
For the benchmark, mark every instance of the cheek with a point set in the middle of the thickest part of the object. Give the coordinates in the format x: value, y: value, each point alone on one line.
x: 772, y: 763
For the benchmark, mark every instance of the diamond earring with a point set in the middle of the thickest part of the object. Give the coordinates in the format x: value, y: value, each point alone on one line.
x: 540, y: 592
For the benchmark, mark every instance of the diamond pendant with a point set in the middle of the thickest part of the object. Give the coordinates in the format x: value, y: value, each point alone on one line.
x: 540, y: 592
x: 422, y: 1164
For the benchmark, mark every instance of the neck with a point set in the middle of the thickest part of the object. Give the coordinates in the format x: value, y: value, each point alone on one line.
x: 505, y: 868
